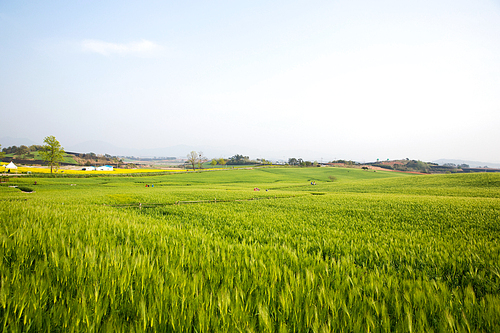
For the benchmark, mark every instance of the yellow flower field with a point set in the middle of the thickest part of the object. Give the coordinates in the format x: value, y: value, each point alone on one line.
x: 25, y: 169
x: 75, y: 171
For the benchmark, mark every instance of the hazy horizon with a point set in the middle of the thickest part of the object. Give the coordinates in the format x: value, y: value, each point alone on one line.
x: 355, y: 80
x: 181, y: 151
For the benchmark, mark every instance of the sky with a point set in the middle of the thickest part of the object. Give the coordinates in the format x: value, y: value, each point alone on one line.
x: 361, y: 80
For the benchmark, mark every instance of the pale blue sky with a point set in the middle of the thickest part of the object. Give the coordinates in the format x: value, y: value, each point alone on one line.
x: 343, y: 79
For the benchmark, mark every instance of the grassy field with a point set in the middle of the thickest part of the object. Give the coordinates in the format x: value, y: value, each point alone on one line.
x: 204, y: 252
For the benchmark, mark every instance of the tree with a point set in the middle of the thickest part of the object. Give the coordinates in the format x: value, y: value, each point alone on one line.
x: 35, y: 147
x: 201, y: 158
x: 192, y: 158
x: 22, y: 151
x: 418, y: 165
x: 52, y: 152
x: 221, y: 161
x: 213, y: 162
x: 239, y: 160
x: 2, y: 154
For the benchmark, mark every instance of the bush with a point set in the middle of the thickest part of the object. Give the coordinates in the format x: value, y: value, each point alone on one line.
x: 332, y: 178
x: 25, y: 189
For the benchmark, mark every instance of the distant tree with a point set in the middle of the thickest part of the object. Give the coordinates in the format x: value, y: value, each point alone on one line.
x: 332, y: 178
x: 201, y: 159
x: 398, y: 166
x: 221, y: 161
x: 464, y: 165
x: 22, y: 151
x: 192, y: 158
x: 239, y: 160
x: 263, y: 161
x: 2, y: 154
x: 52, y: 152
x: 10, y: 150
x: 213, y: 162
x: 33, y: 148
x: 298, y: 161
x: 418, y: 165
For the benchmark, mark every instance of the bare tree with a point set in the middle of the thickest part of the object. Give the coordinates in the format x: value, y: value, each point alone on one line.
x: 192, y: 158
x: 201, y: 158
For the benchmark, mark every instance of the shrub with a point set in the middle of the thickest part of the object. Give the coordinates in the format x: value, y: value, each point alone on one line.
x: 25, y: 189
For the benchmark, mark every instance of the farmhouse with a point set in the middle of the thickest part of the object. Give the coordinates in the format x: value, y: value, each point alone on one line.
x: 89, y: 168
x: 105, y: 168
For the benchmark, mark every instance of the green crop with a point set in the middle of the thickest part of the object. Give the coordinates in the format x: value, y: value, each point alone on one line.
x: 204, y: 252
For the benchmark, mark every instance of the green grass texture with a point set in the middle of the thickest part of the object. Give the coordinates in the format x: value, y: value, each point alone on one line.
x: 205, y: 252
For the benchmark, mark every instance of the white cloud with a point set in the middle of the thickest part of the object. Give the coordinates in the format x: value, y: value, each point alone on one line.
x: 142, y: 48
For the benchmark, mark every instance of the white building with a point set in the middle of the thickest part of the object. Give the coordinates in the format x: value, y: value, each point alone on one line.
x: 89, y: 168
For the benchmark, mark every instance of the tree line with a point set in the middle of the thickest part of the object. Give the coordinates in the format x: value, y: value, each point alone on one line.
x: 22, y: 151
x: 300, y: 162
x: 196, y: 159
x: 53, y: 153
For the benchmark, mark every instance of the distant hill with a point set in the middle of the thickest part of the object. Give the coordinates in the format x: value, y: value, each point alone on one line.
x: 180, y: 151
x: 472, y: 164
x: 95, y: 146
x: 101, y: 147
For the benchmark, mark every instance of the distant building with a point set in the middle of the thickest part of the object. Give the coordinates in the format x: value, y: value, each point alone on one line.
x: 89, y: 168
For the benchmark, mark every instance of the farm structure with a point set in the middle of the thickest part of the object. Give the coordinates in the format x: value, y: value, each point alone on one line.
x: 105, y: 168
x: 101, y: 168
x: 11, y: 166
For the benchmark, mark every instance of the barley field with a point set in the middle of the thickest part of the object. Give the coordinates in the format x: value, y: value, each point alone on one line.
x: 360, y: 251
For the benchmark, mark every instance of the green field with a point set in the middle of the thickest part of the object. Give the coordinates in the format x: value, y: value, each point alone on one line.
x: 203, y: 252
